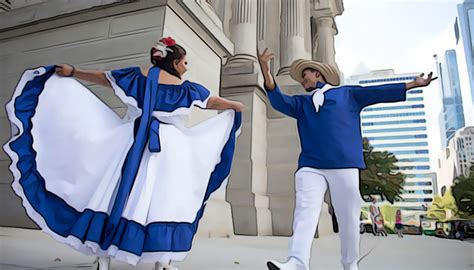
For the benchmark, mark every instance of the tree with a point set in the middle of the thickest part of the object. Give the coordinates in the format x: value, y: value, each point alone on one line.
x: 380, y: 176
x: 443, y: 208
x: 463, y: 192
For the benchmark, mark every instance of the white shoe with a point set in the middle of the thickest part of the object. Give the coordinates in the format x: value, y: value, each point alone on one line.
x: 276, y: 265
x: 163, y: 266
x: 103, y: 263
x: 353, y: 266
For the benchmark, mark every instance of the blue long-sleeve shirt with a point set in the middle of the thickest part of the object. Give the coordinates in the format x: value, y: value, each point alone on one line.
x: 331, y: 138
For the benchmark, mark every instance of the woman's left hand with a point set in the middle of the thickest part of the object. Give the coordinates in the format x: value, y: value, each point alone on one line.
x: 239, y: 106
x: 218, y: 103
x: 65, y: 70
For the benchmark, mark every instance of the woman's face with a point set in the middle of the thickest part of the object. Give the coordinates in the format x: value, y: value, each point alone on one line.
x: 181, y: 66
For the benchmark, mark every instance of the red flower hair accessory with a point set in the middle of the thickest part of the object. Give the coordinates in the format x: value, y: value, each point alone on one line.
x: 169, y: 41
x: 161, y: 47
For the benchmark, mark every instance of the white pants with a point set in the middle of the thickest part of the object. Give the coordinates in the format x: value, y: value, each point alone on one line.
x: 311, y: 184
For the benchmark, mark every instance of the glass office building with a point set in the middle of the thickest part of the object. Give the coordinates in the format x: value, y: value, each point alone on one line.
x: 401, y: 128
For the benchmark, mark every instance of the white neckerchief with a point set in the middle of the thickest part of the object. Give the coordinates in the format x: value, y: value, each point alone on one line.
x: 318, y: 97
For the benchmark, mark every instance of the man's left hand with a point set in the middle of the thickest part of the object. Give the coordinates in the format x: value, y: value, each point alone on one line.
x: 420, y: 81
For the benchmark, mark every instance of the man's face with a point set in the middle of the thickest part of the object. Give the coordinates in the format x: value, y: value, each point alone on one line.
x: 310, y: 77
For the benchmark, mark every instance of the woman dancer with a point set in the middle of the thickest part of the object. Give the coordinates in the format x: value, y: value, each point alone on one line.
x: 131, y: 188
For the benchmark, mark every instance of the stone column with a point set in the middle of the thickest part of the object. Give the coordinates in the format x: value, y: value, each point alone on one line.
x: 241, y: 81
x: 292, y: 38
x: 268, y: 29
x: 324, y: 29
x: 243, y: 30
x: 323, y: 42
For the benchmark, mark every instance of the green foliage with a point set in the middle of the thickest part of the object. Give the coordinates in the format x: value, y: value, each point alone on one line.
x: 389, y: 211
x: 443, y: 208
x: 463, y: 193
x: 380, y: 178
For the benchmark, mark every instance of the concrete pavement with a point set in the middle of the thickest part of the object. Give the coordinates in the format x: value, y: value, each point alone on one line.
x: 31, y: 249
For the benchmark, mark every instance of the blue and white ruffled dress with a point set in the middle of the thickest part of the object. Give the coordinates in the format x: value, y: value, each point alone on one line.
x: 133, y: 188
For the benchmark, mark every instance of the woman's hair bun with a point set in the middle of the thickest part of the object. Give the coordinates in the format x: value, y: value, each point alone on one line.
x: 165, y: 53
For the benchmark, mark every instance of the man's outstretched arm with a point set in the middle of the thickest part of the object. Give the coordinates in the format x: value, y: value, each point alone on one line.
x: 368, y: 95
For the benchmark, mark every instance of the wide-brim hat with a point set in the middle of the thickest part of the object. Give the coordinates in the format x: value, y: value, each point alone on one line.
x: 329, y: 72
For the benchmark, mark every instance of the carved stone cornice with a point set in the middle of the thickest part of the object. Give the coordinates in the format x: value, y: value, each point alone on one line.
x: 208, y: 7
x: 336, y: 7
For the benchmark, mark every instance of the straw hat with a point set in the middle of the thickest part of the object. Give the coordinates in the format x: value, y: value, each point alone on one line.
x: 329, y: 72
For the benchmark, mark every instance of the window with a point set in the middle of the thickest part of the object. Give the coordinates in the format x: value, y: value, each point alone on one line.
x: 400, y: 144
x: 369, y: 109
x: 414, y: 160
x: 415, y: 208
x: 414, y: 168
x: 395, y: 129
x: 419, y: 175
x: 417, y: 200
x: 383, y: 138
x: 418, y: 184
x: 399, y: 122
x: 410, y: 152
x: 417, y: 192
x: 415, y: 99
x: 387, y: 80
x: 392, y: 115
x: 470, y: 15
x: 417, y: 91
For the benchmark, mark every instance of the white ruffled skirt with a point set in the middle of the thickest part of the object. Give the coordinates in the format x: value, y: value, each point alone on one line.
x: 68, y: 151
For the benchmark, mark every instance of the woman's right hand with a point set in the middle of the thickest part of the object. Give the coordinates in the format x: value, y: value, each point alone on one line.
x: 64, y: 70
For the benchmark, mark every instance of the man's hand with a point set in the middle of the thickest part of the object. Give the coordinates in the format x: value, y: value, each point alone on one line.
x: 420, y: 81
x: 264, y: 61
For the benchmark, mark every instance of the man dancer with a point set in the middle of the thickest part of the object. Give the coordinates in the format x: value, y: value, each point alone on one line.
x: 328, y: 124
